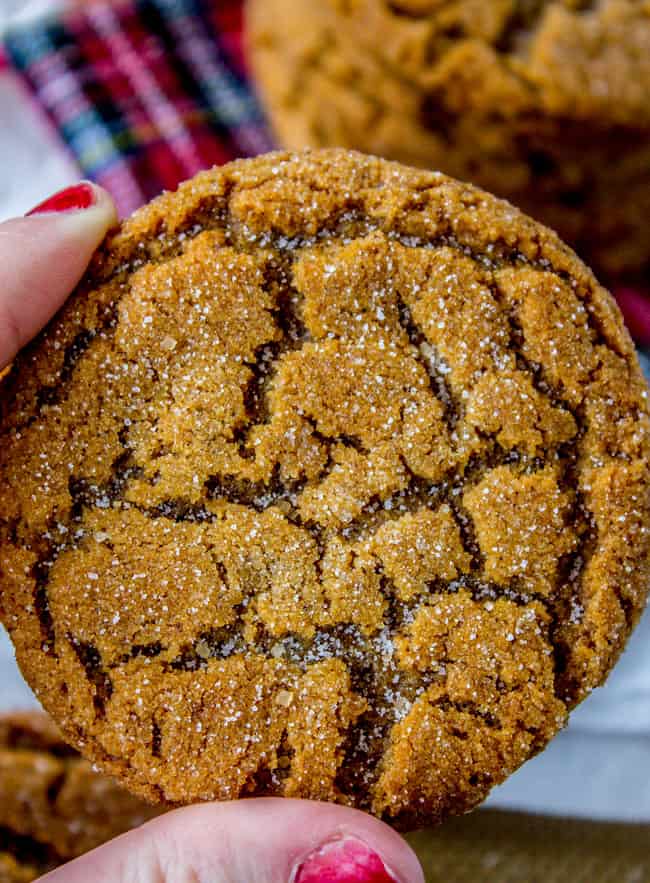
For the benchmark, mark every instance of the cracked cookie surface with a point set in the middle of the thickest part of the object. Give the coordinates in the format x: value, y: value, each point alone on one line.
x: 330, y: 481
x: 544, y: 102
x: 53, y: 806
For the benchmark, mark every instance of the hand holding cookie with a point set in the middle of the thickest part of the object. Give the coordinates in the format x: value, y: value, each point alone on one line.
x: 42, y: 257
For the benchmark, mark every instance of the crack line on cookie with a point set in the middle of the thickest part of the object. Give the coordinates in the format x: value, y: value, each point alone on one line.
x: 286, y: 312
x: 91, y: 661
x: 426, y: 354
x: 41, y: 574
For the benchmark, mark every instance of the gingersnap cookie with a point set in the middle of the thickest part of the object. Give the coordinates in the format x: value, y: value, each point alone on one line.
x: 546, y: 103
x: 53, y: 806
x: 330, y: 481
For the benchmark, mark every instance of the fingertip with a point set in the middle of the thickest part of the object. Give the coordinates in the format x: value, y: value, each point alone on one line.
x: 95, y: 220
x: 44, y: 255
x: 303, y: 842
x: 269, y: 840
x: 79, y: 216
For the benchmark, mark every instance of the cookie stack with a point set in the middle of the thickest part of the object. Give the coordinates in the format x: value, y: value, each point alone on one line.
x: 53, y: 806
x: 546, y: 103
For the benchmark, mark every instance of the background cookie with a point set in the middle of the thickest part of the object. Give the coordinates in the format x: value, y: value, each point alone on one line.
x: 546, y: 103
x: 330, y: 481
x: 53, y: 807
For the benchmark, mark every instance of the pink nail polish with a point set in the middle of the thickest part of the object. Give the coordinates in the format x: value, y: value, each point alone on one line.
x: 79, y: 196
x: 344, y: 861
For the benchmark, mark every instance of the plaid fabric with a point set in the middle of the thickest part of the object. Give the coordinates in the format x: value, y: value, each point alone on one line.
x: 143, y: 94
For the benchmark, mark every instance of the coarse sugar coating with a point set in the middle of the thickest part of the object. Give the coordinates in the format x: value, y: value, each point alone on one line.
x: 53, y: 806
x: 544, y: 102
x: 330, y: 481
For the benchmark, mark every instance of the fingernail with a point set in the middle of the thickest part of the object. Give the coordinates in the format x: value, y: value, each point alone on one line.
x: 75, y: 198
x: 344, y: 861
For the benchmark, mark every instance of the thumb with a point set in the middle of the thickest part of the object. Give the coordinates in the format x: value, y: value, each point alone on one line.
x: 271, y: 840
x: 43, y: 256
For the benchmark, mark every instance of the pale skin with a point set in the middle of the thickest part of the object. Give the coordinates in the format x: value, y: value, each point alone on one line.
x: 42, y: 257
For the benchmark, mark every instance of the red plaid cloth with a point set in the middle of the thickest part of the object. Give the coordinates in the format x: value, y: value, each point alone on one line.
x: 144, y: 94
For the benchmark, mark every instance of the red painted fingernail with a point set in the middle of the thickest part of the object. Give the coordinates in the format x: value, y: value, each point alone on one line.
x: 344, y: 861
x: 79, y: 196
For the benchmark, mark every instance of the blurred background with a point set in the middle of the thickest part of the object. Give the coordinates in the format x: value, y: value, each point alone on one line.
x: 139, y: 96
